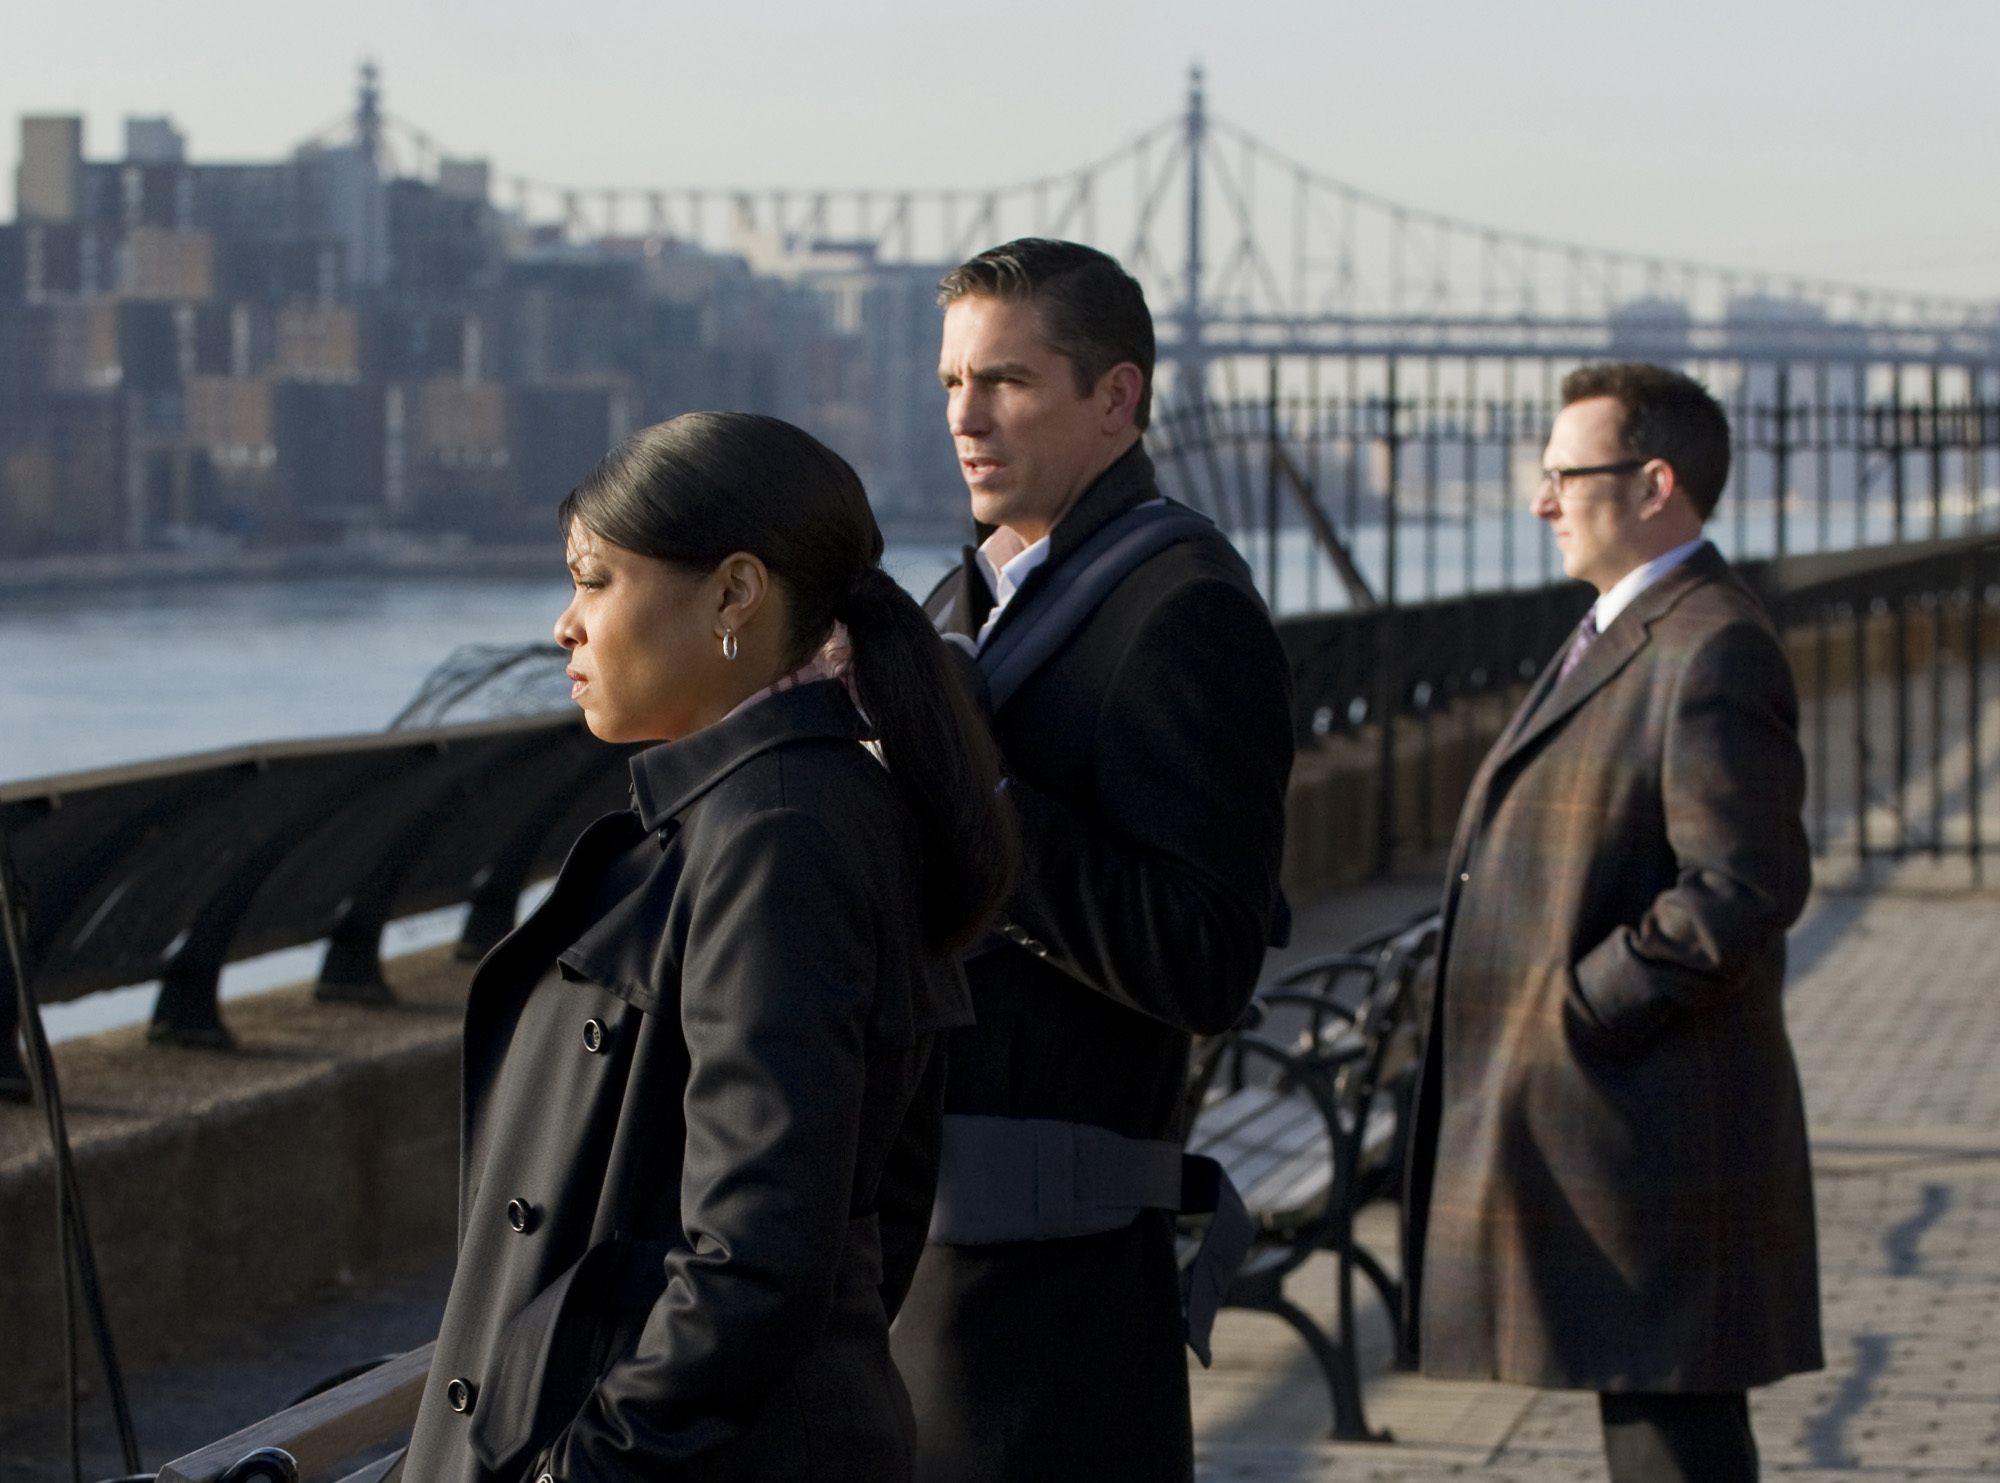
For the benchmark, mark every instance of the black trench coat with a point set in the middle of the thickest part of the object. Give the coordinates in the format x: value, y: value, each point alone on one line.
x: 1148, y: 760
x: 700, y: 1135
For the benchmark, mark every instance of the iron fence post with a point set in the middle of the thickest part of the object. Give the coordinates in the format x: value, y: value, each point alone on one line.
x: 1388, y: 685
x: 1781, y: 454
x: 1936, y: 450
x: 1861, y: 731
x: 1975, y: 611
x: 1271, y: 494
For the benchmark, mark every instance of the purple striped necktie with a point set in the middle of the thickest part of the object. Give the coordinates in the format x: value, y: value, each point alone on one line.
x: 1586, y: 635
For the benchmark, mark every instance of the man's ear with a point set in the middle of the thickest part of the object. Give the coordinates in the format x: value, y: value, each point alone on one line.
x: 1118, y: 392
x: 1659, y: 485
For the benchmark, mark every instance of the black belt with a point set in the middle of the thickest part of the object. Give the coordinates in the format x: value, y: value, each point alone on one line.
x: 1040, y: 1179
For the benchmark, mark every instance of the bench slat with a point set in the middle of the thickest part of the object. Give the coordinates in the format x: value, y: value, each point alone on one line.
x: 1273, y: 1145
x: 1249, y: 1161
x: 1231, y: 1113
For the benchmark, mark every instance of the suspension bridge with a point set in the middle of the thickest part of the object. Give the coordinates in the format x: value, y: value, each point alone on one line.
x: 1245, y: 251
x: 1357, y: 387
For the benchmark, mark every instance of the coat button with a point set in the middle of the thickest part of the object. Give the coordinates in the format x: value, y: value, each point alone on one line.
x: 521, y: 1216
x: 593, y: 1036
x: 460, y: 1395
x: 1464, y: 876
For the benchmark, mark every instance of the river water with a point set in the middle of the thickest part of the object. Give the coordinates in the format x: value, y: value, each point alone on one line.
x: 95, y: 678
x: 97, y: 675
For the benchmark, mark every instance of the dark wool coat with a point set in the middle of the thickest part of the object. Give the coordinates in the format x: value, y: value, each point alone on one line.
x: 1622, y: 1200
x: 698, y: 1158
x: 1148, y: 759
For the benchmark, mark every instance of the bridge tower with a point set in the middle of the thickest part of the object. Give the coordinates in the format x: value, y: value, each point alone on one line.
x: 368, y: 115
x: 1191, y: 361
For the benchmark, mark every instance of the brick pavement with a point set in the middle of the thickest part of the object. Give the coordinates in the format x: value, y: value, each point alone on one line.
x: 1896, y: 1020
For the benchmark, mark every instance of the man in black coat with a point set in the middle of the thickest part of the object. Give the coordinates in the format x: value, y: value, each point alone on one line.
x: 1147, y: 756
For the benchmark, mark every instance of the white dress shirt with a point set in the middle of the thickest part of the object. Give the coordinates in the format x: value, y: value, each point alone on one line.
x: 1005, y: 561
x: 1628, y: 587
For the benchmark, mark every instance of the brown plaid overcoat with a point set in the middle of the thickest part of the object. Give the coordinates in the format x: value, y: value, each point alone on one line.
x: 1611, y: 1146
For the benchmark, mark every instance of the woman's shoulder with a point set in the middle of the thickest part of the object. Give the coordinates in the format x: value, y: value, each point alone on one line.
x: 833, y: 782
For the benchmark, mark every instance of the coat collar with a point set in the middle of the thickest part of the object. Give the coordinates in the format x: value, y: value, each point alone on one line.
x: 1554, y: 698
x: 1128, y: 482
x: 667, y: 778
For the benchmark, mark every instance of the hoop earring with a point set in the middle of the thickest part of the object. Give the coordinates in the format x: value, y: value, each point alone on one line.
x: 728, y: 643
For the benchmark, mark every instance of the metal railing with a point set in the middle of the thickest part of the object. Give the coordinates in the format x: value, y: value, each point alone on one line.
x: 167, y: 871
x: 1383, y: 497
x: 1893, y: 648
x: 1894, y: 652
x: 1392, y: 535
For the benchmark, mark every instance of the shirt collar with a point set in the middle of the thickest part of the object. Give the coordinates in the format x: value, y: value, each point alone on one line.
x: 1004, y: 561
x: 1628, y: 587
x: 669, y: 777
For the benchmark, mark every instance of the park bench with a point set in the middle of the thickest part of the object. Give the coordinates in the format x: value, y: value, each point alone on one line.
x: 1305, y: 1104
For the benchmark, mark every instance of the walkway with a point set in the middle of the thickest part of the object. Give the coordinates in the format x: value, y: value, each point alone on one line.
x: 1896, y: 1020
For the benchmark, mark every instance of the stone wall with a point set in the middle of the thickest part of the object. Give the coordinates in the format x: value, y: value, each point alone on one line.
x: 221, y: 1186
x: 1331, y: 811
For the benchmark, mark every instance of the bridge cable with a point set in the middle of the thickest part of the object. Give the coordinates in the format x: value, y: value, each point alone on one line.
x: 74, y: 1253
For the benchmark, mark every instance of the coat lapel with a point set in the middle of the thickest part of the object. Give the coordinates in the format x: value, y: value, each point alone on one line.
x: 1611, y: 653
x: 959, y: 604
x: 668, y: 777
x: 1630, y: 632
x: 1475, y: 795
x: 1552, y: 700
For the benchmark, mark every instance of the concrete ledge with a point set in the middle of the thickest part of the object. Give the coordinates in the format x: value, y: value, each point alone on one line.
x: 1333, y: 803
x: 221, y: 1187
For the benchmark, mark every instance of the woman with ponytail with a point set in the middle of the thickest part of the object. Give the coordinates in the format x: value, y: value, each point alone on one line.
x: 702, y: 1081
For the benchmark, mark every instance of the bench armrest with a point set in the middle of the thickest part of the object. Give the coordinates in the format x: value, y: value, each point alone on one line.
x: 324, y: 1430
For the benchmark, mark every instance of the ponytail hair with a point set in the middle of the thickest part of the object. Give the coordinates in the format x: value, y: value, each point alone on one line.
x: 706, y: 485
x: 939, y: 752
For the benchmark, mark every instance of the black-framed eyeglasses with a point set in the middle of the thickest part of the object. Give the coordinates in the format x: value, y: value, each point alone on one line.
x: 1558, y: 477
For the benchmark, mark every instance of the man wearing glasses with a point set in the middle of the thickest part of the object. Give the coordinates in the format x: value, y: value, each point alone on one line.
x: 1609, y: 1184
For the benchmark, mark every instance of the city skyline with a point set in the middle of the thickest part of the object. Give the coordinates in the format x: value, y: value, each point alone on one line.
x: 1744, y: 138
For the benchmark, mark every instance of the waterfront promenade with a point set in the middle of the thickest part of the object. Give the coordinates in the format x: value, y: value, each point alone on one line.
x: 1894, y: 1012
x: 1894, y: 1007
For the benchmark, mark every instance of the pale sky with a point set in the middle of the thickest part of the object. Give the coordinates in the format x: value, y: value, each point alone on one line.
x: 1839, y: 139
